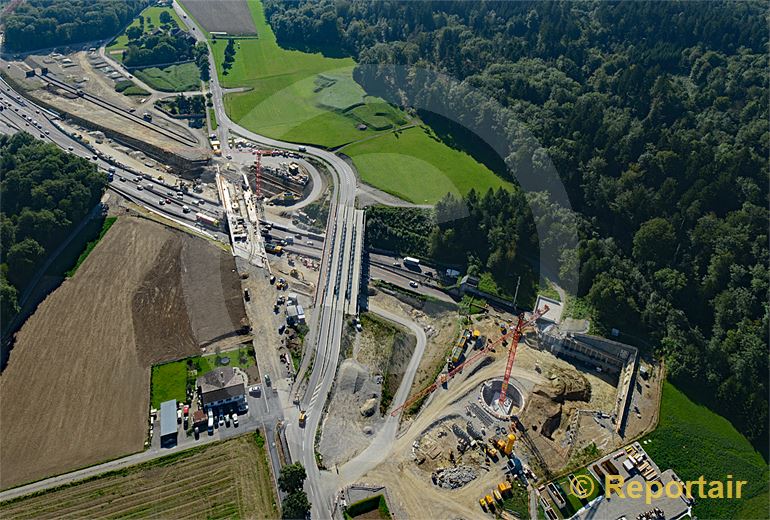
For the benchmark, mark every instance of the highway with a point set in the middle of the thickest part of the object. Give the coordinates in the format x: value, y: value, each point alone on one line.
x: 133, y: 184
x: 336, y: 288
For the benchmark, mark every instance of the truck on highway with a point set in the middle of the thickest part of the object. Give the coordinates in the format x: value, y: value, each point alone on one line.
x: 147, y: 116
x: 207, y: 220
x: 411, y: 263
x: 272, y: 248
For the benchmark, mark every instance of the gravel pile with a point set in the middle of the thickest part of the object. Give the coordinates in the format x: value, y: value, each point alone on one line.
x: 454, y: 478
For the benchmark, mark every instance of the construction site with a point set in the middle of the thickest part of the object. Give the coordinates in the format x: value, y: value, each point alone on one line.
x: 515, y: 403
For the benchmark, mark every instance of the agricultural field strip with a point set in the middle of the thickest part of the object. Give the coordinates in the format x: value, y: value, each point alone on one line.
x: 86, y: 490
x: 157, y: 493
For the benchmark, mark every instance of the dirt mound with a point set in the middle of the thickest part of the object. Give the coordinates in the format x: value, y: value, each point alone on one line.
x: 565, y: 386
x: 163, y: 331
x: 368, y: 408
x: 548, y: 404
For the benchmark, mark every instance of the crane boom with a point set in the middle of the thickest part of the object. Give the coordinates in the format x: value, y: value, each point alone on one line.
x: 512, y: 351
x: 445, y: 377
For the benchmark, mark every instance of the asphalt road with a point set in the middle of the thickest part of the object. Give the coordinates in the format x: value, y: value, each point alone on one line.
x: 331, y: 299
x: 12, y: 117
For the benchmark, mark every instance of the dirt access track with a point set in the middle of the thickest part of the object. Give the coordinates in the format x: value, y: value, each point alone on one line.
x: 230, y: 16
x: 77, y: 386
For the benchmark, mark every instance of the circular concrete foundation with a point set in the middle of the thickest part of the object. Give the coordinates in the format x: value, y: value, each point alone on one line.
x: 490, y: 394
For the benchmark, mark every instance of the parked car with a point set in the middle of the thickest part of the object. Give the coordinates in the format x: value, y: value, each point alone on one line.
x: 235, y: 419
x: 267, y: 379
x: 227, y: 420
x: 255, y: 390
x: 221, y: 420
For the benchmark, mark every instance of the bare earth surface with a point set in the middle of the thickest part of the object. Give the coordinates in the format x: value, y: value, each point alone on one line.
x: 84, y: 357
x: 230, y: 16
x: 76, y: 361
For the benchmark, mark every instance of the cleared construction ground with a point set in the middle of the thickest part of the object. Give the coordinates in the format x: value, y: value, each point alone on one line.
x: 225, y: 480
x: 133, y: 303
x: 374, y: 364
x: 441, y: 460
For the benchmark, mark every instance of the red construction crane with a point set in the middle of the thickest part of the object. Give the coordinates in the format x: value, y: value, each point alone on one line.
x: 520, y: 326
x: 443, y: 378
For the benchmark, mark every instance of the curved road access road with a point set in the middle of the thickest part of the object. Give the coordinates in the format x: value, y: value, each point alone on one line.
x: 340, y: 250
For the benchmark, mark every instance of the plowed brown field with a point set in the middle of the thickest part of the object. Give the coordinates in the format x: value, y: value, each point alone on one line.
x: 76, y: 388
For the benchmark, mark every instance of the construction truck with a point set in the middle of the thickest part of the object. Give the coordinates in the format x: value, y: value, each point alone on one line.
x: 492, y: 452
x: 207, y: 220
x: 302, y: 419
x: 490, y: 502
x: 272, y: 248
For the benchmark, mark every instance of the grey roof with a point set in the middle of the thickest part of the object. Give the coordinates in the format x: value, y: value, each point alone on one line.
x: 168, y: 417
x: 220, y: 384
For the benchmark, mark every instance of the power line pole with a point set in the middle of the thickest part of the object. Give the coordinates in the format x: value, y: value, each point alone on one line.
x: 516, y: 294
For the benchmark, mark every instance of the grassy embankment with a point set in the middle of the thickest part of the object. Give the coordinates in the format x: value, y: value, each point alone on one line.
x: 106, y: 224
x: 303, y: 97
x: 183, y: 77
x: 694, y: 441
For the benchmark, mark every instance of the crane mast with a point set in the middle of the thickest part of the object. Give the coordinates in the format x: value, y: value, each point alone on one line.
x: 520, y: 326
x: 514, y: 332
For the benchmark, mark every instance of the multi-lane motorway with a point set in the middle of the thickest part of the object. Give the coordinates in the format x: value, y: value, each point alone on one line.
x: 19, y: 114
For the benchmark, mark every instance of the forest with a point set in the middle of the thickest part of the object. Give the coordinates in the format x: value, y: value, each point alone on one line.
x: 37, y: 24
x: 46, y: 193
x: 148, y: 49
x: 654, y: 117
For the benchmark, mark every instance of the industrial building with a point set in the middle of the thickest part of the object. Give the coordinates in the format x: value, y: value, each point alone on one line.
x: 601, y: 354
x: 168, y: 424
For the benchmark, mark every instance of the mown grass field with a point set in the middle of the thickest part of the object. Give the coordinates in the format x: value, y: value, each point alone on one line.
x: 416, y: 166
x: 174, y: 78
x: 224, y: 480
x: 169, y: 381
x: 694, y: 441
x: 151, y: 22
x: 296, y: 96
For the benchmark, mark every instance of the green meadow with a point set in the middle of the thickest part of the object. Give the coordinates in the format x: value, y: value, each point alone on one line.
x: 694, y: 441
x: 417, y: 166
x: 310, y: 98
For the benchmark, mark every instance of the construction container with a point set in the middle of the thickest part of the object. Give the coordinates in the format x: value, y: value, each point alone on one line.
x: 483, y: 503
x: 504, y: 487
x: 490, y: 500
x: 498, y: 496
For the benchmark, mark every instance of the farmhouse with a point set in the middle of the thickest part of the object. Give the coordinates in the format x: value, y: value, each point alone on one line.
x: 223, y: 387
x: 168, y: 424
